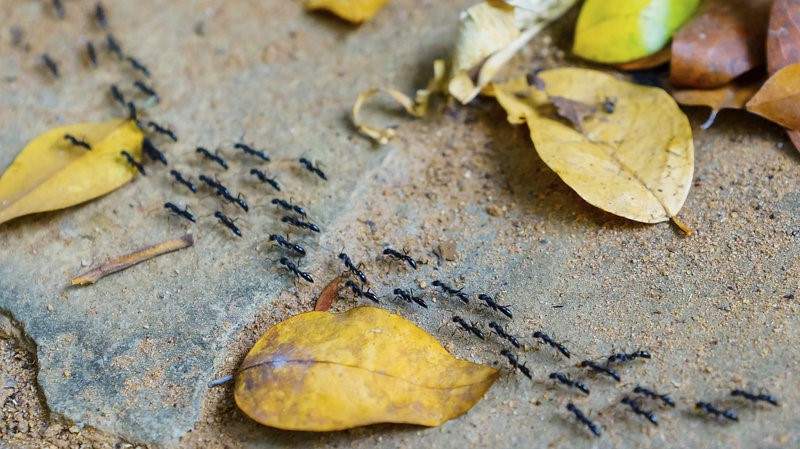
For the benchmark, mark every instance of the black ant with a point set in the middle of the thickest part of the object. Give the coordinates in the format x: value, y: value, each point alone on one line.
x: 113, y: 46
x: 652, y: 394
x: 469, y: 327
x: 117, y: 95
x: 583, y: 419
x: 610, y: 104
x: 600, y: 369
x: 59, y: 8
x: 227, y: 222
x: 77, y: 142
x: 289, y: 206
x: 354, y: 269
x: 300, y: 224
x: 162, y: 130
x: 153, y: 152
x: 512, y: 360
x: 252, y: 151
x: 359, y: 292
x: 400, y: 256
x: 264, y: 178
x: 138, y: 66
x: 451, y: 291
x: 213, y: 157
x: 313, y: 169
x: 51, y: 65
x: 622, y: 357
x: 91, y: 53
x: 639, y: 410
x: 287, y: 244
x: 221, y: 189
x: 755, y: 397
x: 409, y: 296
x: 546, y: 338
x: 234, y: 199
x: 712, y: 410
x: 505, y: 310
x: 182, y: 212
x: 503, y: 334
x: 178, y: 177
x: 133, y: 114
x: 147, y: 90
x: 293, y: 268
x: 564, y: 379
x: 133, y: 162
x: 100, y: 15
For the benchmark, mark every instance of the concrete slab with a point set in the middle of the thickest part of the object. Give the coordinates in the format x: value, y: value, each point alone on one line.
x: 131, y: 355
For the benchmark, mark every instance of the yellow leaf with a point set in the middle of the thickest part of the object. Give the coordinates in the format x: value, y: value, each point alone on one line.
x: 320, y: 371
x: 615, y: 31
x: 355, y: 11
x: 51, y: 173
x: 636, y: 162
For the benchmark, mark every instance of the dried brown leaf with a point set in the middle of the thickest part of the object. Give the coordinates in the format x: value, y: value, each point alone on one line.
x: 783, y: 38
x: 724, y: 40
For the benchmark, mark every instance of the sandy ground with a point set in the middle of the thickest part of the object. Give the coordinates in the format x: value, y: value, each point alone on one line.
x: 718, y: 310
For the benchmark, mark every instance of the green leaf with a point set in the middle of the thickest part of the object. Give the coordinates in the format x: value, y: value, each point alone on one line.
x: 616, y: 31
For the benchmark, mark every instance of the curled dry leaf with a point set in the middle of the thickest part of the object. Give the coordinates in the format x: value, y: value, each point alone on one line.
x: 724, y: 40
x: 321, y: 371
x: 779, y: 98
x: 490, y: 34
x: 783, y: 37
x: 355, y: 11
x: 733, y: 95
x: 617, y: 31
x: 51, y: 173
x: 636, y: 162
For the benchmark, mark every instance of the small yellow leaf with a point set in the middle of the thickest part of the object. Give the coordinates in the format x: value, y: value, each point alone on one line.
x: 320, y: 371
x: 355, y: 11
x: 636, y: 162
x: 51, y: 173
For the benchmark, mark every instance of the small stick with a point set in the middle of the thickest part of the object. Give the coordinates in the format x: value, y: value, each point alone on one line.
x: 328, y: 295
x: 129, y: 260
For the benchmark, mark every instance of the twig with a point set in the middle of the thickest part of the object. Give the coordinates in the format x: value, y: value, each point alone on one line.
x: 129, y: 260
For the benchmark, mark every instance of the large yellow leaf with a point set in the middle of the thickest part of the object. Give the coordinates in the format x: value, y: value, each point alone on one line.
x: 355, y: 11
x: 51, y: 173
x: 636, y: 162
x: 615, y: 31
x: 320, y: 371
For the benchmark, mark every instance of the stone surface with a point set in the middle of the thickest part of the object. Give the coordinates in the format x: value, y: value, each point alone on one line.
x: 140, y: 345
